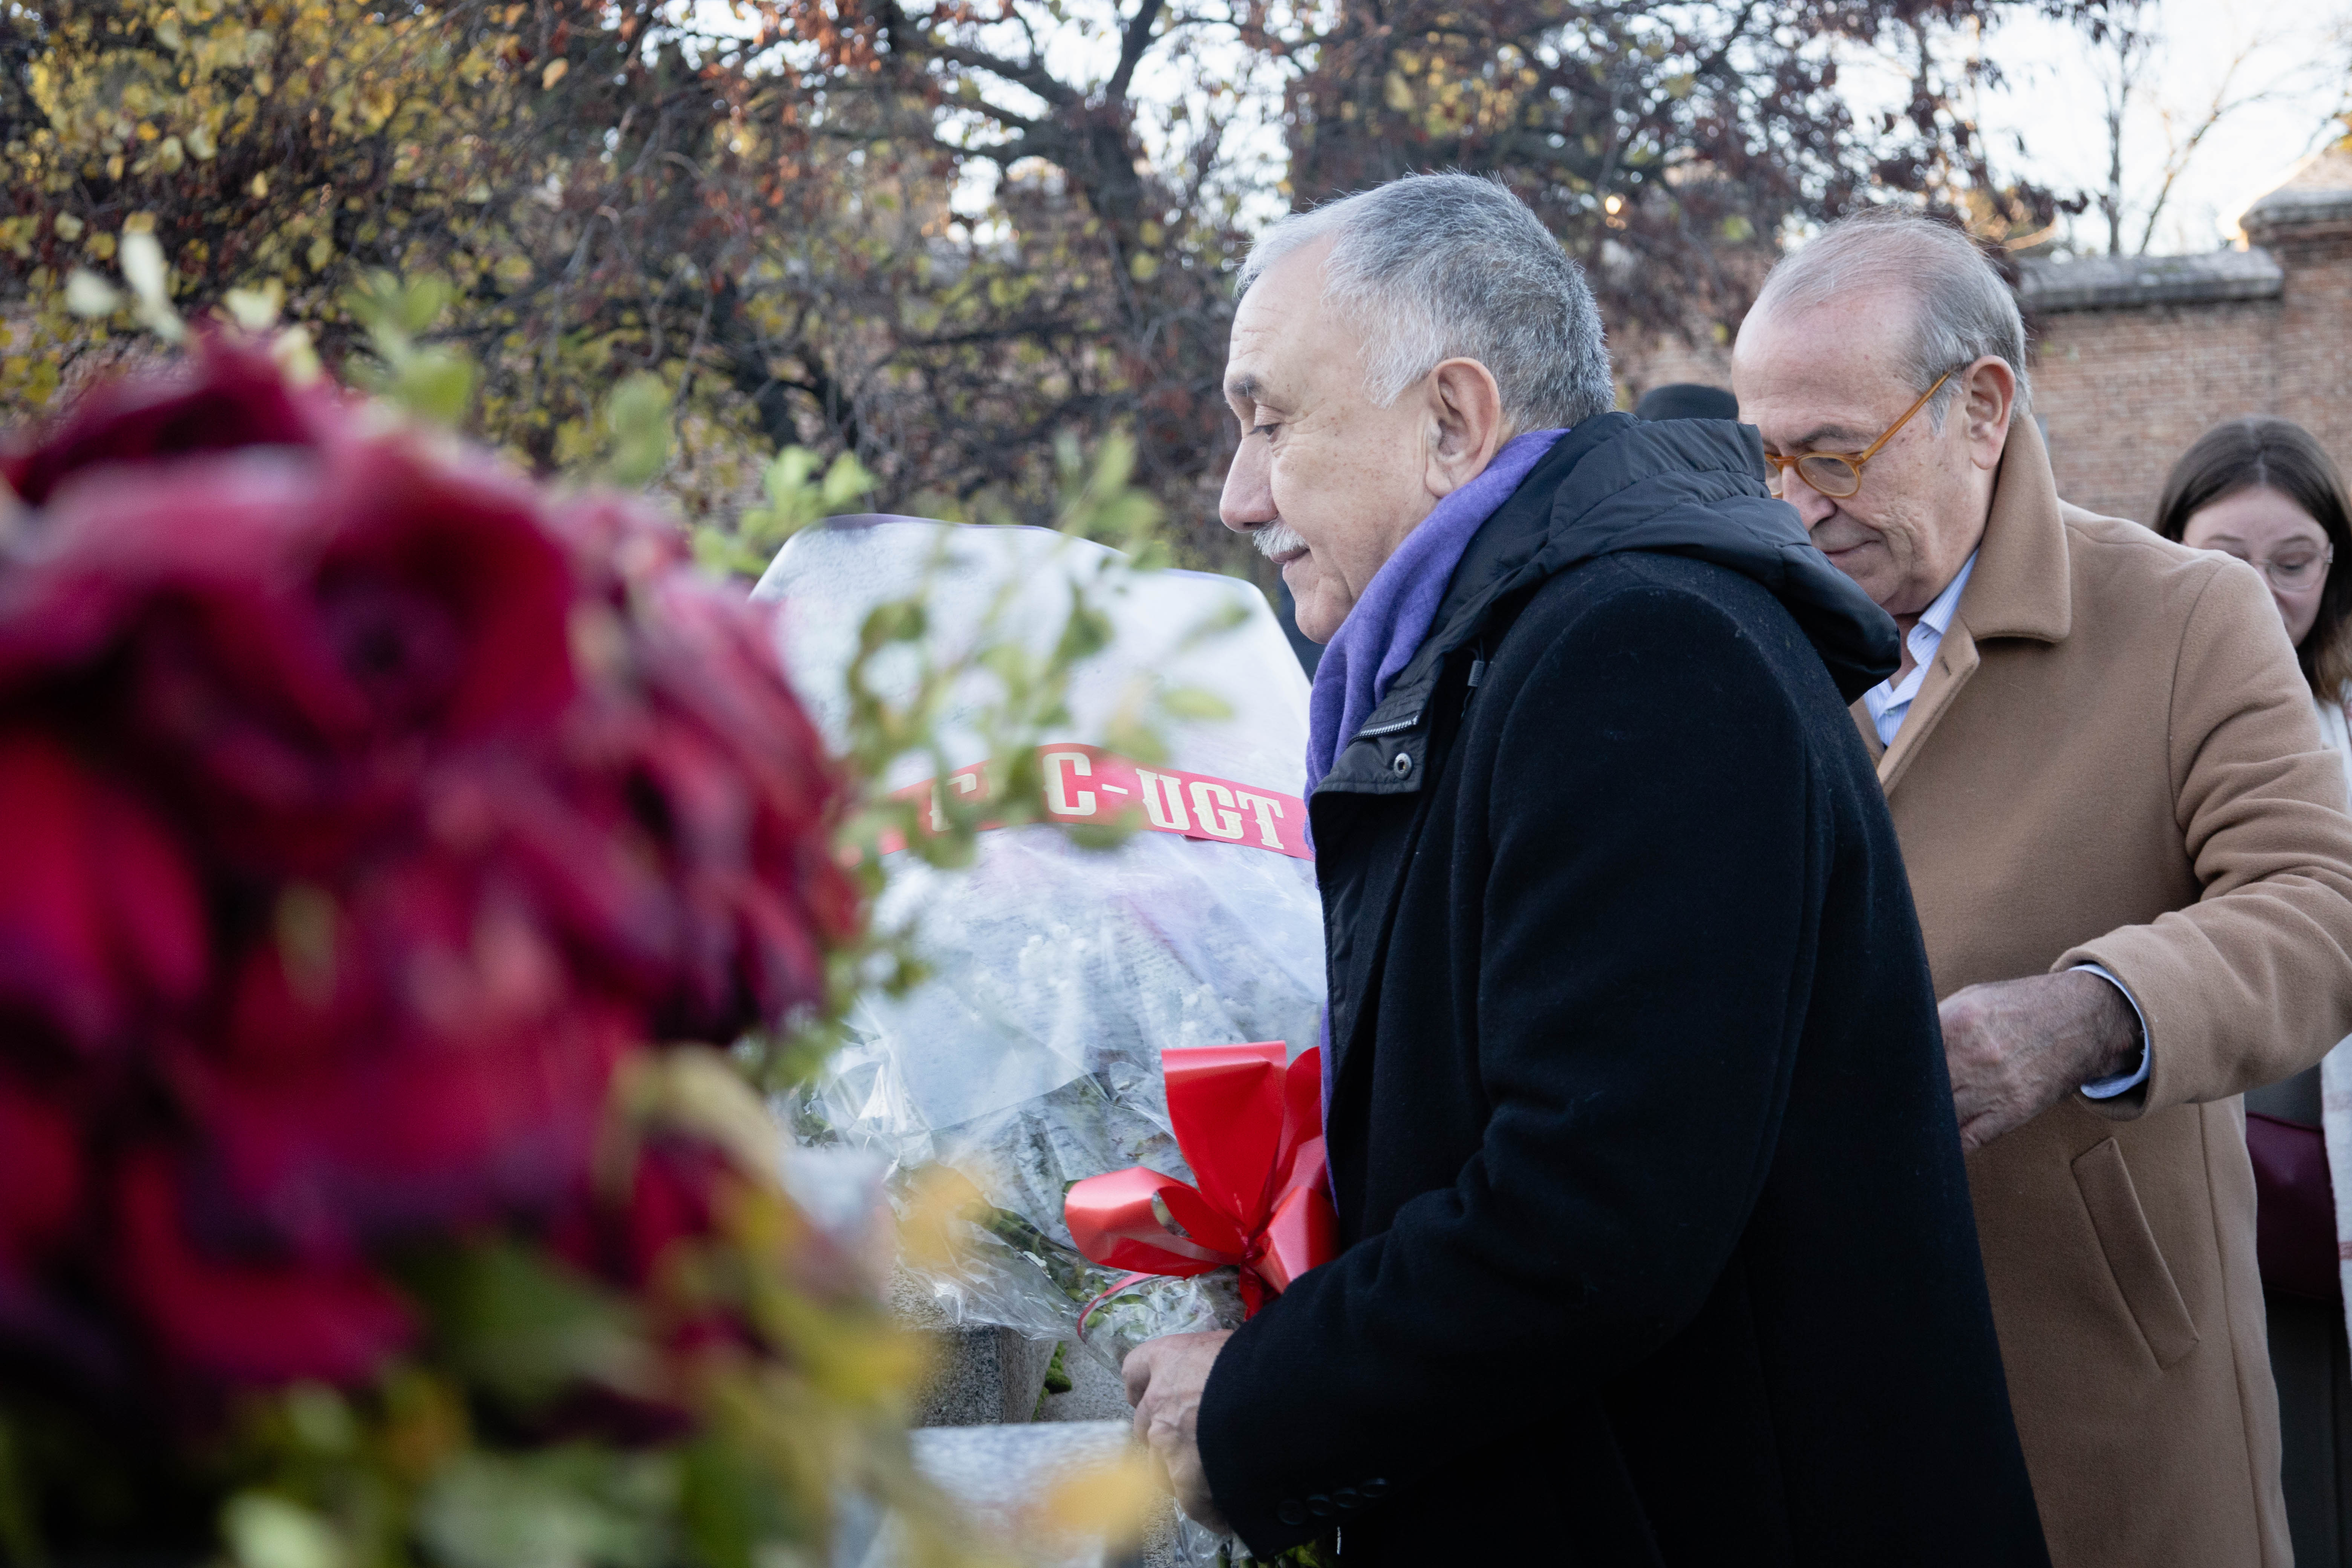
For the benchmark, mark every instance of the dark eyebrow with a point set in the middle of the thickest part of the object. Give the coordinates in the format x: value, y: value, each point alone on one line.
x: 1247, y: 387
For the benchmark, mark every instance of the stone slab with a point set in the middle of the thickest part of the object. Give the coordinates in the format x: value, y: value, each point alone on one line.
x: 1097, y: 1393
x: 979, y: 1376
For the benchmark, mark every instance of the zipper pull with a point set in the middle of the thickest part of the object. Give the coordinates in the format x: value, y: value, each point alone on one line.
x: 1477, y: 671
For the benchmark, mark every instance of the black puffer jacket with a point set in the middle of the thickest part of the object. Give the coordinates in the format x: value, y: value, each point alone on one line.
x: 1659, y: 1246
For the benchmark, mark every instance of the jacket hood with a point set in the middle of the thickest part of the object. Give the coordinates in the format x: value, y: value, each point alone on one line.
x: 1681, y: 486
x: 1696, y: 487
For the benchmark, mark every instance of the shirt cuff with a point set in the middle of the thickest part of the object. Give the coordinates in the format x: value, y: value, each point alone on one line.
x: 2108, y: 1088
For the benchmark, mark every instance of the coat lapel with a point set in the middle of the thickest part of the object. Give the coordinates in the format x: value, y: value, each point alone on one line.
x: 2019, y: 589
x: 1956, y: 660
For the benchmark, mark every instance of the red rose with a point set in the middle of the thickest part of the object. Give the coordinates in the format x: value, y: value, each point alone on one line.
x: 265, y: 1320
x: 673, y: 1195
x: 228, y: 398
x: 293, y: 634
x: 427, y: 1059
x: 747, y: 790
x: 40, y: 1172
x: 361, y: 810
x: 100, y: 924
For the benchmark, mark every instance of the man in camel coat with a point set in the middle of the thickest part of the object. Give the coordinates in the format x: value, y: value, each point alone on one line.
x: 2132, y: 869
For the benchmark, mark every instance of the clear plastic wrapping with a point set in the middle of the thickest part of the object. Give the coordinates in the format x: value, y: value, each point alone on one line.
x: 1032, y: 1056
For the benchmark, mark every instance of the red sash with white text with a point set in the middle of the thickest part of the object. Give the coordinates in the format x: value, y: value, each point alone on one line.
x: 1088, y: 784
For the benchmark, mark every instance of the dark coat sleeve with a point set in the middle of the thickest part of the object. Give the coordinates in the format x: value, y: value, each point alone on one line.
x: 1650, y: 898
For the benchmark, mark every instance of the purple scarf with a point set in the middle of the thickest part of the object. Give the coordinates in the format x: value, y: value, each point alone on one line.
x: 1392, y: 619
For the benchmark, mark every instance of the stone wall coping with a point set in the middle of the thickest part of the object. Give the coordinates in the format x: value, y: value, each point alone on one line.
x: 2122, y: 282
x: 2318, y: 196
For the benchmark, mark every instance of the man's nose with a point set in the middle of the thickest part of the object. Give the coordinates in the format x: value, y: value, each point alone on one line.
x: 1248, y: 499
x: 1813, y: 508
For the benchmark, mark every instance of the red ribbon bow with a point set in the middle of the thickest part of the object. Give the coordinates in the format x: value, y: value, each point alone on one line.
x: 1251, y: 1130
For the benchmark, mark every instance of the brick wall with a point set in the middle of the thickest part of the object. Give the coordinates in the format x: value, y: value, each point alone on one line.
x: 2122, y: 391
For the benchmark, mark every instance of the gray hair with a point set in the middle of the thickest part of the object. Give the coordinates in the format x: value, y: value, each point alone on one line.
x: 1439, y: 266
x: 1964, y: 311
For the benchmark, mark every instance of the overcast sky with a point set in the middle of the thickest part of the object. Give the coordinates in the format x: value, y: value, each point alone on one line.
x: 2295, y: 67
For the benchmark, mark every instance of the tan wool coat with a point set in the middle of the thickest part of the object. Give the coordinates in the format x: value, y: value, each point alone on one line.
x: 2114, y: 760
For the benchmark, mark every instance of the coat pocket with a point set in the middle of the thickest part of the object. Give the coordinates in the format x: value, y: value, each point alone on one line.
x: 2133, y: 1258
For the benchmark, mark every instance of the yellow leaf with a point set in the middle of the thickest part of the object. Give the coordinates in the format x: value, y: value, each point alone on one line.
x: 553, y: 73
x: 940, y: 1200
x: 1111, y: 1502
x: 295, y: 355
x: 696, y: 1090
x: 260, y: 187
x: 256, y: 309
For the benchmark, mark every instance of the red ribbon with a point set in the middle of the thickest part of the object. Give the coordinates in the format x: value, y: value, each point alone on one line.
x: 1251, y: 1130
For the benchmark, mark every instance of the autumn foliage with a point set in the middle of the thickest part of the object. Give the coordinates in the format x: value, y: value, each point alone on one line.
x: 937, y: 236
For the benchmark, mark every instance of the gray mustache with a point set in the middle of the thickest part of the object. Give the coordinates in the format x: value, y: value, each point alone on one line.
x: 1275, y: 538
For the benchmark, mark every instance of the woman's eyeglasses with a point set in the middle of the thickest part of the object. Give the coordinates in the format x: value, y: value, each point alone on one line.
x: 1838, y: 475
x: 2299, y: 568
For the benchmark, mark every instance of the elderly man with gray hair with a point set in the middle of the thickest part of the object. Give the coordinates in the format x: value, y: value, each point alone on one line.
x: 1655, y: 1241
x: 2128, y: 849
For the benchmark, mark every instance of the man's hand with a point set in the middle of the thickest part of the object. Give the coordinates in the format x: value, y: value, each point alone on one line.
x: 1165, y: 1380
x: 2016, y: 1047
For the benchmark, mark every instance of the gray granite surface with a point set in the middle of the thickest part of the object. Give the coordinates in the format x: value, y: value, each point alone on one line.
x: 979, y: 1376
x: 1097, y: 1393
x: 986, y: 1435
x: 995, y: 1475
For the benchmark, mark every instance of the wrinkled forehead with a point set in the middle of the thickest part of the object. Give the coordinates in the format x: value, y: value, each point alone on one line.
x: 1285, y: 334
x: 1807, y: 375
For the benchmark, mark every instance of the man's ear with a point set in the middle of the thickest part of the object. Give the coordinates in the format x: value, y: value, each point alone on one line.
x: 1987, y: 400
x: 1466, y: 423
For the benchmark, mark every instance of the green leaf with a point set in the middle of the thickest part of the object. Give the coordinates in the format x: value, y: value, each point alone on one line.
x: 265, y: 1531
x: 846, y: 481
x: 523, y: 1326
x: 564, y: 1508
x: 433, y: 383
x: 1195, y: 703
x: 19, y: 1537
x: 637, y: 416
x: 726, y: 1509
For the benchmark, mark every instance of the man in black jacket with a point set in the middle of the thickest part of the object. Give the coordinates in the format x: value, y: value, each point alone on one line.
x: 1656, y: 1243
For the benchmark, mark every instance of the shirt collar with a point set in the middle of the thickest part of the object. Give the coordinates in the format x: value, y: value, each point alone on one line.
x: 1938, y: 616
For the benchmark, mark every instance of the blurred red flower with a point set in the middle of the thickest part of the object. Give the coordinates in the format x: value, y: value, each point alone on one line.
x: 365, y: 807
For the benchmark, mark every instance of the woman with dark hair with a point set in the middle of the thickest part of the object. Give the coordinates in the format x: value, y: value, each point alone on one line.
x: 2263, y: 490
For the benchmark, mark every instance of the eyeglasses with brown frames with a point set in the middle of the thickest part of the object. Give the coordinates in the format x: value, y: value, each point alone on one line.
x: 1838, y: 475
